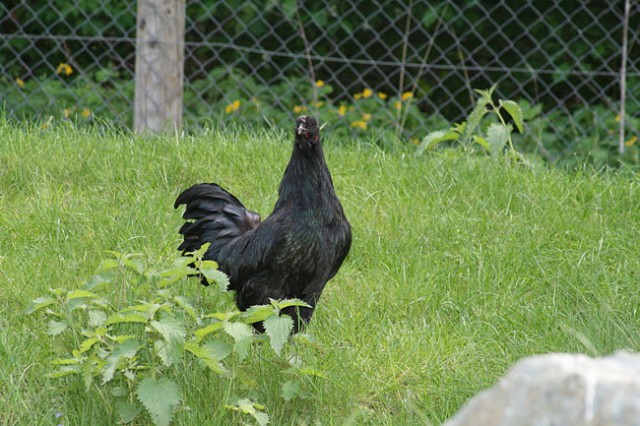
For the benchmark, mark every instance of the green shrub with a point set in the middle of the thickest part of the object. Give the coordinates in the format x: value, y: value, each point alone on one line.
x: 66, y: 95
x: 130, y: 333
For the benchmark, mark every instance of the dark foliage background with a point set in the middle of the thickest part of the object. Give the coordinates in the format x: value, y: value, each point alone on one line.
x: 563, y: 57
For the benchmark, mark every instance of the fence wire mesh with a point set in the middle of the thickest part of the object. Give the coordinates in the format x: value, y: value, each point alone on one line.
x: 365, y: 66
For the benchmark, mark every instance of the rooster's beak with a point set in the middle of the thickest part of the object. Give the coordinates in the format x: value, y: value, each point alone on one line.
x: 301, y: 130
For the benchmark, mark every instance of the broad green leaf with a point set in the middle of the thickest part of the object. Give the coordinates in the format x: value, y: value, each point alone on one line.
x: 142, y: 307
x: 170, y: 328
x: 97, y: 318
x: 529, y: 112
x: 200, y: 252
x: 160, y: 398
x: 181, y: 270
x: 435, y: 138
x: 76, y: 294
x: 98, y: 281
x: 120, y: 339
x: 482, y: 142
x: 202, y: 332
x: 497, y: 137
x: 126, y: 260
x: 127, y: 411
x: 77, y: 303
x: 214, y: 275
x: 478, y: 112
x: 88, y: 344
x: 186, y: 306
x: 181, y: 263
x: 64, y: 371
x: 281, y: 304
x: 207, y: 356
x: 223, y: 316
x: 135, y: 265
x: 107, y: 265
x: 130, y: 375
x: 459, y: 128
x: 306, y: 371
x: 258, y: 313
x: 39, y: 303
x: 170, y: 277
x: 486, y: 95
x: 218, y: 349
x: 306, y: 339
x: 278, y: 328
x: 125, y: 350
x: 169, y: 351
x: 121, y: 318
x: 515, y: 112
x: 99, y: 331
x: 242, y: 335
x: 209, y: 264
x: 246, y: 406
x: 87, y: 372
x: 290, y: 389
x: 474, y: 119
x: 119, y: 391
x: 56, y: 327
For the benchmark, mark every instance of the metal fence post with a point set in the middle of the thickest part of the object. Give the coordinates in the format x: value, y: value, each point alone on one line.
x: 159, y: 65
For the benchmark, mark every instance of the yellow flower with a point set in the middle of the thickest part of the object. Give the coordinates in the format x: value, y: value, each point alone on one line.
x: 64, y: 69
x: 414, y: 141
x: 342, y: 110
x: 19, y: 82
x: 357, y: 96
x: 366, y: 117
x: 631, y: 141
x: 382, y: 95
x: 366, y: 93
x: 407, y: 95
x: 86, y: 113
x: 319, y: 104
x: 320, y: 83
x: 232, y: 107
x: 361, y: 124
x: 66, y: 112
x: 618, y: 118
x: 397, y: 104
x: 299, y: 108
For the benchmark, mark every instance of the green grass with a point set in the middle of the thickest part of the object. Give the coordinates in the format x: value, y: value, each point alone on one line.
x: 460, y: 266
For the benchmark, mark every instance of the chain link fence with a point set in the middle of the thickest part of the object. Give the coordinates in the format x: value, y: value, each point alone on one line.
x: 400, y: 68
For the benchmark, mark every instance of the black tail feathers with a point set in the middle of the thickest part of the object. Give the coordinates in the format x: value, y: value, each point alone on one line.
x: 213, y: 216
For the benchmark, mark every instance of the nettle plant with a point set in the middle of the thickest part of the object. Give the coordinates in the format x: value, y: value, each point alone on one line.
x: 134, y: 346
x: 493, y: 138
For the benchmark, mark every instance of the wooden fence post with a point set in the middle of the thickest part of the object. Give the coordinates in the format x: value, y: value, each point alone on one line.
x: 159, y: 65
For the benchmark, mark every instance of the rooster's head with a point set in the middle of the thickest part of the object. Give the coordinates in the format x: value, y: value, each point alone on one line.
x: 307, y: 130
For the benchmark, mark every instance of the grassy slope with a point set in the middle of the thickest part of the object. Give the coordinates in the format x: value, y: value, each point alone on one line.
x: 460, y: 266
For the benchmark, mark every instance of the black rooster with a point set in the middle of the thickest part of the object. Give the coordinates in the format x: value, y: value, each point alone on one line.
x: 295, y: 251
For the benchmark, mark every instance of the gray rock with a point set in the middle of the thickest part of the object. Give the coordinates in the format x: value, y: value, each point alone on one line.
x: 560, y: 390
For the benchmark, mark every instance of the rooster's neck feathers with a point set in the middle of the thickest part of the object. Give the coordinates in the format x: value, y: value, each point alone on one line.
x: 306, y: 178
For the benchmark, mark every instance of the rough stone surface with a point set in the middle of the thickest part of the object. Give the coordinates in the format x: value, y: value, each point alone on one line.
x: 560, y: 390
